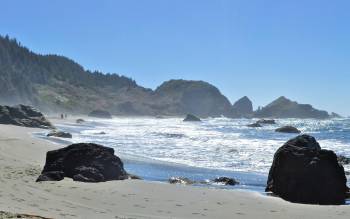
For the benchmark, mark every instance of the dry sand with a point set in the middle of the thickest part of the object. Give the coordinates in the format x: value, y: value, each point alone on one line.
x: 22, y: 158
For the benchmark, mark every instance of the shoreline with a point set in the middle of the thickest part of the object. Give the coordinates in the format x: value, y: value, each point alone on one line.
x: 22, y: 157
x: 162, y: 171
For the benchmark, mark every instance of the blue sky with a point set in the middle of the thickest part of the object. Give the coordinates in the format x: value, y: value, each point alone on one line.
x: 262, y: 49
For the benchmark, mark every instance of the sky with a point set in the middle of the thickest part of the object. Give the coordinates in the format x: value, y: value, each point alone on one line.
x: 261, y: 49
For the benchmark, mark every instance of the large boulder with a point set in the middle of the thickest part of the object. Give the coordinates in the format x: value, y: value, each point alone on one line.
x: 84, y: 162
x: 288, y: 129
x: 302, y: 172
x: 191, y: 118
x: 100, y: 114
x: 23, y: 115
x: 242, y: 107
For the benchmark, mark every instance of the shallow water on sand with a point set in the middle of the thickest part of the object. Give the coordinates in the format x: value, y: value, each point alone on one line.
x: 157, y: 149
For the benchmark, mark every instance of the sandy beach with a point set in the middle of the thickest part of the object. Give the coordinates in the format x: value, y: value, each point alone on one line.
x: 22, y: 158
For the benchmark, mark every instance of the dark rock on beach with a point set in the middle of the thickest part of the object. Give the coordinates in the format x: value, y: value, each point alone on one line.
x: 22, y: 115
x: 100, y: 114
x: 226, y: 181
x: 288, y: 129
x: 59, y: 134
x: 191, y: 118
x: 84, y: 162
x: 302, y: 172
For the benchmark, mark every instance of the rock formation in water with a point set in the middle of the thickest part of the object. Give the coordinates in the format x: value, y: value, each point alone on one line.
x: 285, y: 108
x: 226, y: 181
x: 85, y: 162
x: 243, y: 108
x: 255, y: 125
x: 288, y: 129
x: 181, y: 97
x: 59, y: 134
x: 22, y: 115
x: 302, y: 172
x: 191, y: 118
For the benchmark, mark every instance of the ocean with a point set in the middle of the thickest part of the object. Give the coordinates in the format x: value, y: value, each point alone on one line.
x: 159, y: 148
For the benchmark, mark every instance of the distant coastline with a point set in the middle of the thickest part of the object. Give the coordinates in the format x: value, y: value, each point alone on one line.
x: 56, y: 84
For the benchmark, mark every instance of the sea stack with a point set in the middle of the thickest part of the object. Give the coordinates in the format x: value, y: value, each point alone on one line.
x: 191, y: 118
x: 242, y: 108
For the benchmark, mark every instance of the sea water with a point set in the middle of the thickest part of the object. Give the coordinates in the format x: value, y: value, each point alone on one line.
x: 157, y: 149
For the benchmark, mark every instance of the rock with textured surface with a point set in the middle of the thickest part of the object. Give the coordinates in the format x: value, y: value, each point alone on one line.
x: 302, y: 172
x: 85, y: 162
x: 22, y: 115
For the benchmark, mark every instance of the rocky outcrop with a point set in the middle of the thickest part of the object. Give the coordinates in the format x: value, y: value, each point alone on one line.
x: 22, y: 115
x: 302, y: 172
x: 243, y: 108
x: 59, y: 134
x: 285, y: 108
x: 288, y: 129
x: 85, y: 162
x: 100, y: 114
x: 255, y: 125
x: 191, y: 118
x: 226, y: 181
x: 179, y: 97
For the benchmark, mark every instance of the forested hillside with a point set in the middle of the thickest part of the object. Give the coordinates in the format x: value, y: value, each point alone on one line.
x: 55, y: 83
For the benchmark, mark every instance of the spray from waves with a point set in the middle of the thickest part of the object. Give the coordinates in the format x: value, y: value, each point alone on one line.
x: 220, y: 143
